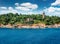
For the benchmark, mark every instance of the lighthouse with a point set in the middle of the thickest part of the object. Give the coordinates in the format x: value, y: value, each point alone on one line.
x: 43, y: 15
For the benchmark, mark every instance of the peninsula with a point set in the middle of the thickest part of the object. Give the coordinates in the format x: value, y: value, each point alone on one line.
x: 11, y: 20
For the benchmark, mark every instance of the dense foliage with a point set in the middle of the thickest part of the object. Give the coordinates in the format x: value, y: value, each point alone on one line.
x: 20, y: 18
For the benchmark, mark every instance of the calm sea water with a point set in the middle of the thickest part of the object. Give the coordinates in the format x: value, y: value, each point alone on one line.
x: 30, y: 36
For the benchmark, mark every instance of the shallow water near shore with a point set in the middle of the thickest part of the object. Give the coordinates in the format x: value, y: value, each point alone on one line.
x: 29, y: 36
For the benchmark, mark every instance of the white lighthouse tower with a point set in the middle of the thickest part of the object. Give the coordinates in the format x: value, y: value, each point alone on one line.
x: 43, y: 15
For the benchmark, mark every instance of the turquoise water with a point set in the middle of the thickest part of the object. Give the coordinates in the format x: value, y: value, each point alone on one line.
x: 30, y: 36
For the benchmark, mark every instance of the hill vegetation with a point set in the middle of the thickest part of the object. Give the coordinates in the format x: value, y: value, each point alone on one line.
x: 11, y: 18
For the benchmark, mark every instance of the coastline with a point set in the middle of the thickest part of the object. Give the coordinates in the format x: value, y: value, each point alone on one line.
x: 30, y: 26
x: 11, y: 20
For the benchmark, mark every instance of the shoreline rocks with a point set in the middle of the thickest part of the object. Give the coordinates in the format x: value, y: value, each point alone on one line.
x: 30, y: 26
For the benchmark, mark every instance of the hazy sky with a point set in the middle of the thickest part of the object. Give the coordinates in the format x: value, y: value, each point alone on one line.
x: 51, y: 7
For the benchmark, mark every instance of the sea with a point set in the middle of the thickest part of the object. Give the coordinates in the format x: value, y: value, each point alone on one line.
x: 30, y: 36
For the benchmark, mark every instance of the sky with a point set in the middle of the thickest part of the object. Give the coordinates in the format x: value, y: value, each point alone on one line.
x: 50, y: 7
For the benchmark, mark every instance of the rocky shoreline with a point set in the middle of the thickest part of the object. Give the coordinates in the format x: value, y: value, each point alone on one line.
x: 30, y: 26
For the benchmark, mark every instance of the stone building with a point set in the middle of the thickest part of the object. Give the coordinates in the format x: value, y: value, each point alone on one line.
x: 29, y: 19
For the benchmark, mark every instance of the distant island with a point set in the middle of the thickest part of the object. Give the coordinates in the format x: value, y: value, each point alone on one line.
x: 11, y: 20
